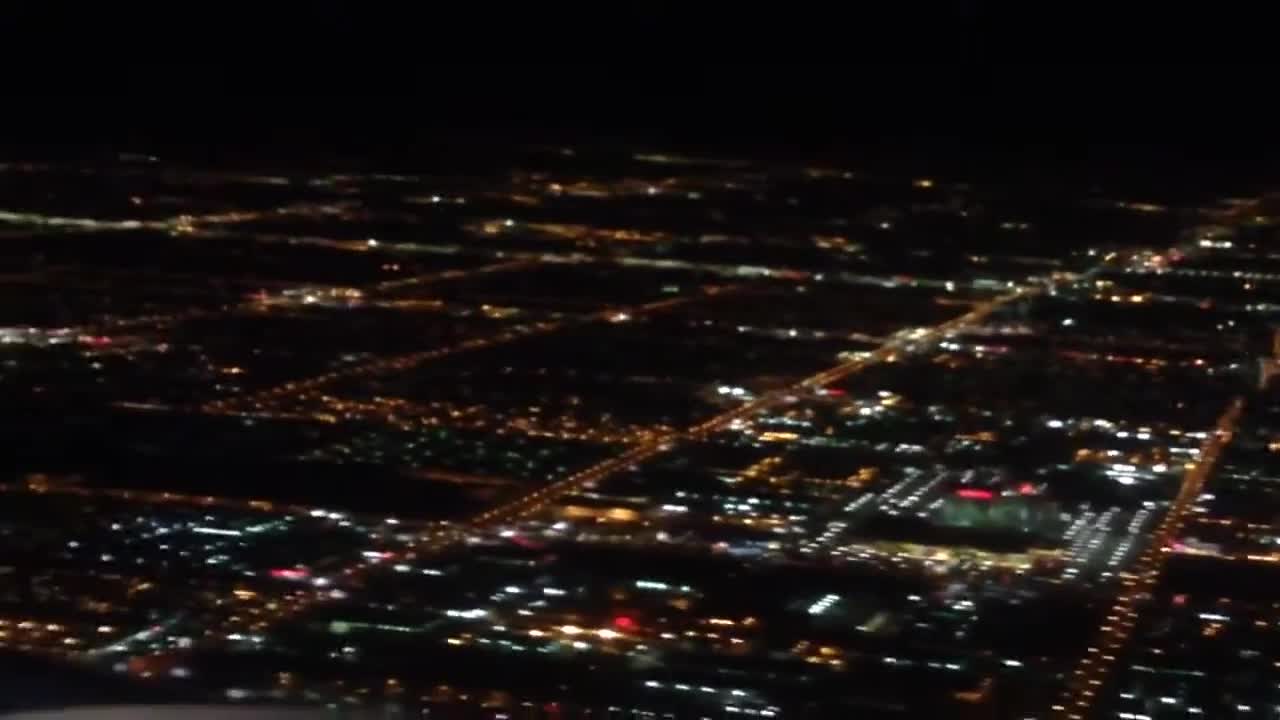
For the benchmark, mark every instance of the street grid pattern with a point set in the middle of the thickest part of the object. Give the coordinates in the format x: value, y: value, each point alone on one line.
x: 538, y: 499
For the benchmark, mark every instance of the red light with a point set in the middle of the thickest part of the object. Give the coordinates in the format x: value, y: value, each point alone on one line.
x: 525, y: 542
x: 1026, y: 488
x: 833, y: 392
x: 975, y: 494
x: 622, y: 622
x: 290, y: 573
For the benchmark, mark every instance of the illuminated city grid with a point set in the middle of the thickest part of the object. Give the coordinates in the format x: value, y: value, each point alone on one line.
x: 657, y: 437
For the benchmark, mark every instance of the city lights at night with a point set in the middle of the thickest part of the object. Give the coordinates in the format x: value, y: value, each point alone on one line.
x: 598, y: 427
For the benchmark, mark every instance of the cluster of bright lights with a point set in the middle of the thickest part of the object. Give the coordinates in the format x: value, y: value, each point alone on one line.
x: 824, y: 604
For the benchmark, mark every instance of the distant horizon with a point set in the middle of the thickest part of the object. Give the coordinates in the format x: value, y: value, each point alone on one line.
x: 1154, y: 168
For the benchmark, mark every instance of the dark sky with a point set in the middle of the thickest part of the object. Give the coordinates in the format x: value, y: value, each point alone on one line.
x: 1172, y: 123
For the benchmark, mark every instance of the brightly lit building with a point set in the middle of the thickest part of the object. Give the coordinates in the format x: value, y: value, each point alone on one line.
x: 1020, y: 508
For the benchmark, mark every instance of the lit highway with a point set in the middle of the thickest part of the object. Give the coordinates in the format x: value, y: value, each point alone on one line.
x: 161, y: 498
x: 154, y: 497
x: 1088, y: 680
x: 260, y: 302
x: 421, y: 280
x: 182, y: 224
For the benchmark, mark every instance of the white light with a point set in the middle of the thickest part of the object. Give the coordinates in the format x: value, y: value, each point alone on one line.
x: 372, y: 242
x: 1055, y: 424
x: 607, y: 634
x: 1068, y: 322
x: 570, y: 629
x: 823, y: 605
x: 215, y: 531
x: 471, y: 614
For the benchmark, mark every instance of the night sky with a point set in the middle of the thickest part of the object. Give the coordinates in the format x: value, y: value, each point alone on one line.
x: 1170, y: 124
